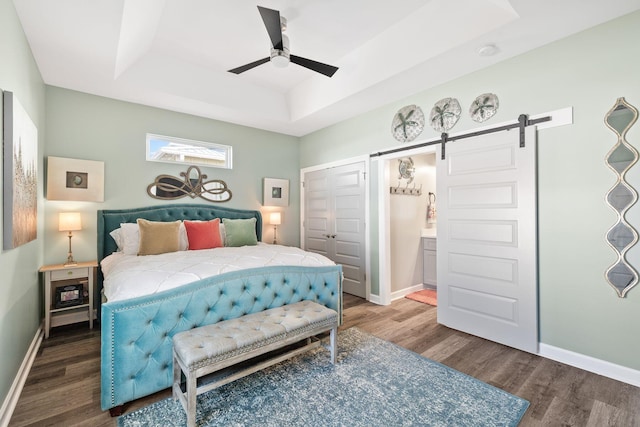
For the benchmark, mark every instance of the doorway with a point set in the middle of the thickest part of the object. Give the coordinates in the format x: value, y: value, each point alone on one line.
x: 412, y: 189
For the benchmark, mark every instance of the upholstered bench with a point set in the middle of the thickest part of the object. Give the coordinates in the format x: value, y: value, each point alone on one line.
x: 207, y: 349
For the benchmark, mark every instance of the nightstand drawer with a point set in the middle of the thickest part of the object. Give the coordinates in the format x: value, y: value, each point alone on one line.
x: 68, y: 273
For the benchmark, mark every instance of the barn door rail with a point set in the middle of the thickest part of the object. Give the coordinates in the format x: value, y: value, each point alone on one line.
x: 522, y: 123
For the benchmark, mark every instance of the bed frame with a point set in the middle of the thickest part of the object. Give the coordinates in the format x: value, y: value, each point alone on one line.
x: 136, y: 344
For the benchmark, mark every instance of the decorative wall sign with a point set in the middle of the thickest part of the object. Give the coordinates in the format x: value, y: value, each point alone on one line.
x: 407, y: 123
x: 20, y: 176
x: 484, y: 107
x: 445, y: 114
x: 192, y: 184
x: 75, y: 179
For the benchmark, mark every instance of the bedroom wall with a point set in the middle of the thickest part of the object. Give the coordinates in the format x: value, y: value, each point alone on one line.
x: 588, y: 71
x: 83, y: 126
x: 19, y: 287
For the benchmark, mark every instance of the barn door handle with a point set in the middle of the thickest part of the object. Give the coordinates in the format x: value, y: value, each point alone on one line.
x: 329, y: 236
x: 333, y: 236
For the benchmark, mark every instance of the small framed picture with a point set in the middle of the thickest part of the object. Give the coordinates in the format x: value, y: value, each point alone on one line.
x: 75, y: 179
x: 276, y: 192
x: 69, y: 295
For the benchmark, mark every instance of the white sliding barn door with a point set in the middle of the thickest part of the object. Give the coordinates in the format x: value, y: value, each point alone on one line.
x: 487, y: 238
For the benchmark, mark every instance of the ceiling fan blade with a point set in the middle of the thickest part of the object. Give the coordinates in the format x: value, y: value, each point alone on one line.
x: 319, y: 67
x: 247, y: 67
x: 271, y: 19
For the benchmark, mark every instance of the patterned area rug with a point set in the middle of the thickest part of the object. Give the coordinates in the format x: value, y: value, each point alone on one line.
x: 427, y: 296
x: 374, y: 383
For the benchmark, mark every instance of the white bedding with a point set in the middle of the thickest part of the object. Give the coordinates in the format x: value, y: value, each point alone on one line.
x: 129, y: 276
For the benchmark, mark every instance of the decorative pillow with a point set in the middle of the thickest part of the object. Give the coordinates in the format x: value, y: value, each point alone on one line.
x: 130, y: 236
x: 240, y: 232
x: 203, y: 234
x: 223, y: 235
x: 127, y: 238
x: 117, y: 237
x: 158, y: 237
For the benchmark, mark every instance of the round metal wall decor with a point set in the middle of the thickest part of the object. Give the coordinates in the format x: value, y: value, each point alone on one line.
x: 484, y: 107
x: 445, y: 114
x: 407, y: 123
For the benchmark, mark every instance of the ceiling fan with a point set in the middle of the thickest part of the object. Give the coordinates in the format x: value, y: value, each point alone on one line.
x: 280, y: 56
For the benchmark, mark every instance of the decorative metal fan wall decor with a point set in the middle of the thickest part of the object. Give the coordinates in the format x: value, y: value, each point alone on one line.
x: 484, y: 107
x: 407, y: 123
x: 445, y: 114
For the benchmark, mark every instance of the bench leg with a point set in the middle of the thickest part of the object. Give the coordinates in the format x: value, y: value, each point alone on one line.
x: 333, y: 344
x: 192, y: 396
x: 177, y: 376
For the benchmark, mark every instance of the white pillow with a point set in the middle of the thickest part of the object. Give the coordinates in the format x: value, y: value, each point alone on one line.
x: 127, y: 237
x: 223, y: 234
x: 130, y: 233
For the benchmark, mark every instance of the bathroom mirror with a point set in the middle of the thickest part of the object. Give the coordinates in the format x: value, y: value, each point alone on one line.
x: 621, y: 236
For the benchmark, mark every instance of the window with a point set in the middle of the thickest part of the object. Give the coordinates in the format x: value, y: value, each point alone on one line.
x: 178, y: 150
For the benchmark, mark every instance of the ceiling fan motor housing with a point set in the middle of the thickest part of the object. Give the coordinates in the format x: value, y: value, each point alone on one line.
x: 280, y: 57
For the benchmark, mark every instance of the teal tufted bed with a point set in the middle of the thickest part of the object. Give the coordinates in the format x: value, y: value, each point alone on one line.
x: 136, y: 334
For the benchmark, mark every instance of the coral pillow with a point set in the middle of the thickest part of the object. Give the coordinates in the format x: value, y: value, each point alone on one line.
x: 203, y: 234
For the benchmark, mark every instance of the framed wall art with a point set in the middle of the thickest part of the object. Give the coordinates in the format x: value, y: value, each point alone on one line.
x: 20, y: 176
x: 75, y: 179
x: 276, y: 192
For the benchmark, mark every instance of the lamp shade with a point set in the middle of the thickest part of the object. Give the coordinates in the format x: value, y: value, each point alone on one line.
x: 275, y: 218
x: 69, y: 221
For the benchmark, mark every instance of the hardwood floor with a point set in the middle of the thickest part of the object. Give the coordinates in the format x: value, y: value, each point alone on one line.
x: 63, y: 387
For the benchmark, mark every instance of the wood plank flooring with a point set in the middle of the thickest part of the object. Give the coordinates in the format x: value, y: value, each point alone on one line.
x: 63, y: 387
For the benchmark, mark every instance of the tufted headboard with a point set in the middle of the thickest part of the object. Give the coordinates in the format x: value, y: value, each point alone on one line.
x: 109, y: 220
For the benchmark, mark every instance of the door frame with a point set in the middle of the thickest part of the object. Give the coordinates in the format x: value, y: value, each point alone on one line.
x: 563, y: 116
x: 367, y: 240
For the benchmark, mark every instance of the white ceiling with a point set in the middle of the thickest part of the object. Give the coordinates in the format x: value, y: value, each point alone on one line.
x: 174, y: 54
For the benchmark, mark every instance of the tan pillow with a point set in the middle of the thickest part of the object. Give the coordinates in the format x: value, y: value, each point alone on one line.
x: 158, y: 237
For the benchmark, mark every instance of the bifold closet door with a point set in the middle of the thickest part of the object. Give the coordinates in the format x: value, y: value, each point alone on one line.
x: 334, y: 220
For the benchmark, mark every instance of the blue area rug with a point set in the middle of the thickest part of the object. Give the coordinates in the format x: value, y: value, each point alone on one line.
x: 374, y: 383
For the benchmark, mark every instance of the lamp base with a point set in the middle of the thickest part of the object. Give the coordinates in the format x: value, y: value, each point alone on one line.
x: 70, y: 260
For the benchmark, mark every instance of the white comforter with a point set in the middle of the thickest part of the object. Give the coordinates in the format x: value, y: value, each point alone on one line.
x: 129, y: 276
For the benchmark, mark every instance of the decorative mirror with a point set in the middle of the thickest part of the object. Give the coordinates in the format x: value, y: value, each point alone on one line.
x: 621, y: 236
x: 192, y: 183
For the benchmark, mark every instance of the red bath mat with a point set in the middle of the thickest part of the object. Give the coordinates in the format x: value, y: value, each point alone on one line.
x: 427, y: 296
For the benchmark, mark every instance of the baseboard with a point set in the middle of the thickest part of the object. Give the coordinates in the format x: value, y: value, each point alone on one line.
x: 406, y: 291
x: 375, y: 299
x: 591, y: 364
x: 11, y: 400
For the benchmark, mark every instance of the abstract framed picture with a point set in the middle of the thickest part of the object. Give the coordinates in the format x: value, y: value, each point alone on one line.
x: 276, y: 192
x: 75, y: 179
x: 20, y: 174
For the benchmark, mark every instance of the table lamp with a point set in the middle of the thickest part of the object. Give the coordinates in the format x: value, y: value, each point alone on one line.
x: 70, y: 221
x: 275, y: 219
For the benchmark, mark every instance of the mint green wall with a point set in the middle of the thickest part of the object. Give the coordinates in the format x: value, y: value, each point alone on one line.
x: 83, y: 126
x: 20, y: 301
x: 578, y: 309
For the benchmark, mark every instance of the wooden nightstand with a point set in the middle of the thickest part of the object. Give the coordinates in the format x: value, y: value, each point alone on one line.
x: 68, y: 294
